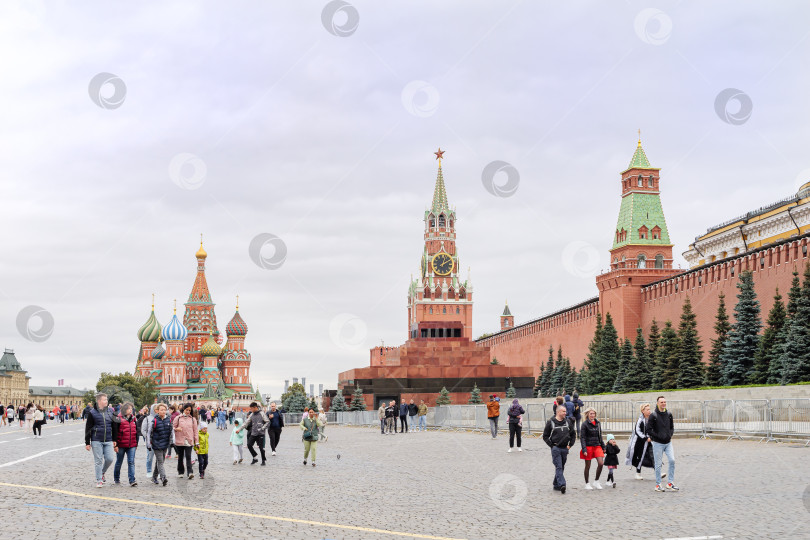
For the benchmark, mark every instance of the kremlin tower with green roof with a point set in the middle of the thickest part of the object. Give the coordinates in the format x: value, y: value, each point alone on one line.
x: 642, y: 250
x: 184, y: 359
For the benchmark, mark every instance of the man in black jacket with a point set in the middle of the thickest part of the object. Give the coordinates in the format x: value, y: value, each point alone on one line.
x: 660, y: 428
x: 412, y: 411
x: 403, y: 417
x: 390, y: 418
x: 254, y: 426
x: 275, y: 427
x: 560, y: 436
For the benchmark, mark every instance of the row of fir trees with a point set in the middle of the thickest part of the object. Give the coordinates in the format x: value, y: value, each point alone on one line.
x: 671, y: 357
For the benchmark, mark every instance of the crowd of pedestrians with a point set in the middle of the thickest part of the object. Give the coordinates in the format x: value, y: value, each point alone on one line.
x: 410, y: 415
x: 33, y: 416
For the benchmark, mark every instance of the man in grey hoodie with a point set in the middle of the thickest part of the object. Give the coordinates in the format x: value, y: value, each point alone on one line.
x: 145, y: 428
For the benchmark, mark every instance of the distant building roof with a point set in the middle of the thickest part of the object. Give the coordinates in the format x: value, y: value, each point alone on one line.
x: 9, y: 362
x: 57, y: 391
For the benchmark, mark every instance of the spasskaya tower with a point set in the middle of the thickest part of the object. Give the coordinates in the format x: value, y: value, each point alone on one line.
x: 439, y: 295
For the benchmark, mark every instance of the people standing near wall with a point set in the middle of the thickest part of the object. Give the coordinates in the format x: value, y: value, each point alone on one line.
x: 403, y: 417
x: 515, y: 414
x: 593, y: 447
x: 559, y: 435
x: 390, y: 418
x: 660, y: 429
x: 493, y: 414
x: 423, y: 410
x: 381, y: 415
x: 413, y: 411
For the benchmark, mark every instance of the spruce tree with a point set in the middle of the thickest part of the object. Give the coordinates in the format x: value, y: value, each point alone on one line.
x: 652, y: 343
x: 795, y: 357
x: 444, y: 397
x: 625, y: 359
x: 511, y: 392
x: 665, y: 374
x: 638, y: 375
x: 538, y: 384
x: 571, y: 381
x: 358, y: 403
x: 714, y: 371
x: 592, y: 358
x: 743, y: 338
x: 558, y: 379
x: 338, y: 403
x: 775, y: 368
x: 604, y: 373
x: 769, y: 341
x: 475, y: 396
x: 548, y: 375
x: 690, y: 368
x: 313, y: 405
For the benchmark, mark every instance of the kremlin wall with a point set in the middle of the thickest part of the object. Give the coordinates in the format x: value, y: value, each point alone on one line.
x: 641, y: 285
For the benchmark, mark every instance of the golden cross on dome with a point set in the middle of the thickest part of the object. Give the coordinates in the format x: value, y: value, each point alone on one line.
x: 153, y: 301
x: 175, y: 306
x: 439, y: 155
x: 237, y: 302
x: 639, y: 136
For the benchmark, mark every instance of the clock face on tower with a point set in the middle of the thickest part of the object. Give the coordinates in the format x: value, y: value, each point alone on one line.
x: 442, y: 264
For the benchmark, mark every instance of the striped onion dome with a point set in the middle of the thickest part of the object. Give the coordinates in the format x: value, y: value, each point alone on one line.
x: 150, y: 331
x: 175, y: 330
x: 237, y: 326
x: 158, y: 352
x: 210, y: 347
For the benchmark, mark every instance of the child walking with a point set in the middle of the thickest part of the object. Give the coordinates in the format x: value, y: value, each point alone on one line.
x: 237, y: 440
x: 612, y: 458
x: 202, y: 449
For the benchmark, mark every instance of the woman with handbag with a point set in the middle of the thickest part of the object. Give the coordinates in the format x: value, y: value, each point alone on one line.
x: 310, y: 426
x: 593, y: 447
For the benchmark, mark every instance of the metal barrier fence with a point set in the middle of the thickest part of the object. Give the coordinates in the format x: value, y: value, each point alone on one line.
x: 762, y: 418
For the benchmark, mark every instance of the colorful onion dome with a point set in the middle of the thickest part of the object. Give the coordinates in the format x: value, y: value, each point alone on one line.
x: 237, y: 326
x: 150, y: 331
x: 158, y: 352
x: 201, y: 254
x: 210, y: 347
x: 175, y: 330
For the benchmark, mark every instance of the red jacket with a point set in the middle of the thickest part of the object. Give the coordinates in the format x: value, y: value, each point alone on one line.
x: 127, y: 432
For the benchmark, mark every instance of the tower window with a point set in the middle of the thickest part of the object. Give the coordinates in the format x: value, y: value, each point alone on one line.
x: 441, y: 221
x: 444, y: 309
x: 457, y: 311
x: 659, y: 261
x: 431, y: 310
x: 640, y: 182
x: 650, y: 182
x: 642, y: 260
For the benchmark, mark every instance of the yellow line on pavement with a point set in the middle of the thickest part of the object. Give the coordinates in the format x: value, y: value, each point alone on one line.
x: 230, y: 512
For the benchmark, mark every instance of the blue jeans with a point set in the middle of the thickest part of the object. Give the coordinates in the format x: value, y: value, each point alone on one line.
x: 103, y: 457
x: 422, y: 422
x: 130, y: 454
x: 559, y: 456
x: 149, y: 455
x: 412, y: 422
x: 658, y: 453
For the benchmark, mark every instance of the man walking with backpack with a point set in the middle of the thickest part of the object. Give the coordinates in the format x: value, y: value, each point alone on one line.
x: 560, y: 436
x: 254, y: 427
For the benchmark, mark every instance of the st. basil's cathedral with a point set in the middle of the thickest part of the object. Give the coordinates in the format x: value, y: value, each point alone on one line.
x: 185, y: 360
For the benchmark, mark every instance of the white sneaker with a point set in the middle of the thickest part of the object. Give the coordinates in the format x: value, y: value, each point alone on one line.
x: 597, y: 485
x: 509, y: 450
x: 274, y: 452
x: 520, y: 449
x: 588, y: 486
x: 638, y: 476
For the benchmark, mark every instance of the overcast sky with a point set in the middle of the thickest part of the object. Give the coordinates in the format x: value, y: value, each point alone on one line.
x: 240, y: 119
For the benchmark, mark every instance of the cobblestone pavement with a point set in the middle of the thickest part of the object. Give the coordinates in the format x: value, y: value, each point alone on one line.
x: 432, y: 484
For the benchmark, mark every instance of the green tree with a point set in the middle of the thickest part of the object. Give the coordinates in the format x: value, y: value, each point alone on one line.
x: 475, y: 396
x: 295, y: 398
x: 89, y: 397
x: 638, y: 376
x: 338, y: 402
x: 625, y: 359
x: 690, y: 368
x: 665, y: 373
x: 775, y: 368
x: 548, y: 375
x: 313, y: 405
x: 558, y: 378
x: 652, y: 345
x: 126, y: 387
x: 358, y: 402
x: 743, y: 338
x: 795, y: 357
x: 592, y: 358
x: 769, y: 342
x: 571, y: 380
x: 538, y: 384
x: 494, y: 362
x: 714, y: 371
x: 444, y: 397
x: 511, y: 392
x: 602, y: 373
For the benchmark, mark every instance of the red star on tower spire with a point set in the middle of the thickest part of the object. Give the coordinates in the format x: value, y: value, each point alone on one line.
x: 439, y: 154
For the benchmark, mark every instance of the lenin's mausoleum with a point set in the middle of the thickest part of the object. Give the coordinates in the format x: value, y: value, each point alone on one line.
x: 641, y: 286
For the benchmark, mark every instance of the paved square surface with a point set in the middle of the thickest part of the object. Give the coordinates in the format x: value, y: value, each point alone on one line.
x: 420, y: 485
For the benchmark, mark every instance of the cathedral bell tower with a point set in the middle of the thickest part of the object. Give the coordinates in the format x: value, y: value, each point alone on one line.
x: 439, y: 296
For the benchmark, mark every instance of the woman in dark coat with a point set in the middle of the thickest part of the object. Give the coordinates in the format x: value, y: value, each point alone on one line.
x: 639, y: 451
x: 515, y: 424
